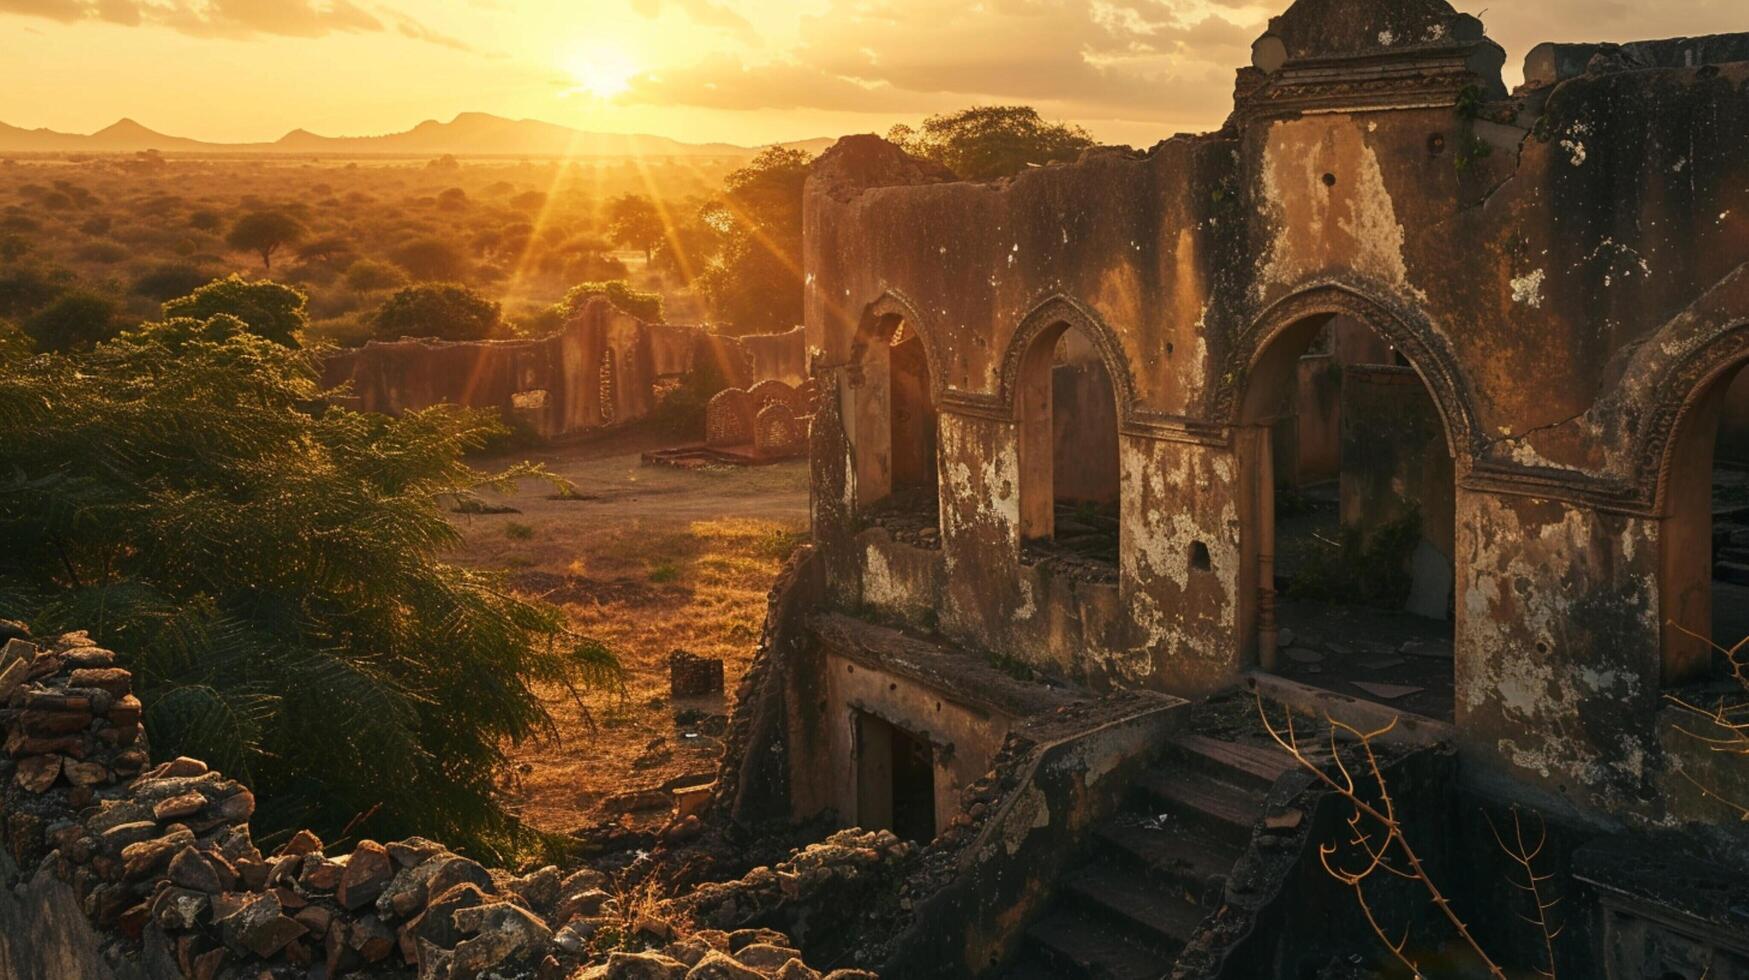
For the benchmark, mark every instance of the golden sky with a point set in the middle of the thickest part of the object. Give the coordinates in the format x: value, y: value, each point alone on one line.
x: 743, y: 71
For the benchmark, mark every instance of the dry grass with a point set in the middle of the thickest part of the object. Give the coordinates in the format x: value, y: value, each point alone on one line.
x: 649, y: 560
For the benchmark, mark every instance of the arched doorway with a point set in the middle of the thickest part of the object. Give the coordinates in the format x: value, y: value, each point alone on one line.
x: 1070, y: 486
x: 1704, y: 578
x: 893, y: 426
x: 1352, y: 570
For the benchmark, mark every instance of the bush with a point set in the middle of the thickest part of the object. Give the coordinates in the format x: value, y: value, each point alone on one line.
x: 341, y: 331
x: 269, y: 309
x: 367, y: 275
x: 432, y: 260
x: 75, y: 320
x: 170, y: 280
x: 25, y: 289
x: 272, y: 573
x: 105, y: 253
x: 645, y: 306
x: 447, y: 311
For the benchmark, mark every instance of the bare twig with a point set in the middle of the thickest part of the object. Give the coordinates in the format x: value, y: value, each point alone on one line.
x: 1385, y: 814
x: 1731, y: 724
x: 1525, y: 857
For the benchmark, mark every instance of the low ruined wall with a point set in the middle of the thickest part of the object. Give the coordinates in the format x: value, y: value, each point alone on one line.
x: 117, y: 869
x: 599, y: 371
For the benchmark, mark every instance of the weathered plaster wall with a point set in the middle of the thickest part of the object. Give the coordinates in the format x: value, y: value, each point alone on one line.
x: 1562, y: 269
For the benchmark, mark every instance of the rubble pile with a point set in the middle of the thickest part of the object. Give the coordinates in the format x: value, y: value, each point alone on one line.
x: 162, y: 862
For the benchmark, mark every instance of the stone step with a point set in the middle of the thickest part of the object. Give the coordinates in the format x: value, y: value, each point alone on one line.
x: 1253, y: 763
x: 1078, y: 944
x: 1225, y: 811
x: 1167, y: 914
x: 1195, y: 864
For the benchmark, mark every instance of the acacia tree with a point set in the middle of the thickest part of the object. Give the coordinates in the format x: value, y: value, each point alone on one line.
x: 264, y: 233
x: 637, y: 223
x: 984, y: 142
x: 273, y: 573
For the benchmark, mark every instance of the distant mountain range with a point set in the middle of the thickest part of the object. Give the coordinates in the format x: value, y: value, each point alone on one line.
x: 469, y: 134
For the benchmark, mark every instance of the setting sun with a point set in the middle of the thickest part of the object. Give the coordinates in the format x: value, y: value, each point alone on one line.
x: 601, y: 72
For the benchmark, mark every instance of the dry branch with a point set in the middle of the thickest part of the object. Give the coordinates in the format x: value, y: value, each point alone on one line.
x: 1378, y: 848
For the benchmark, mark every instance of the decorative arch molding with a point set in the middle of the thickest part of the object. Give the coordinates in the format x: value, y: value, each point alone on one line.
x: 895, y: 304
x: 1428, y: 352
x: 1675, y: 391
x: 1060, y: 310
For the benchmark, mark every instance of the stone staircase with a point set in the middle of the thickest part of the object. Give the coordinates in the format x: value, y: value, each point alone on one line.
x: 1157, y: 868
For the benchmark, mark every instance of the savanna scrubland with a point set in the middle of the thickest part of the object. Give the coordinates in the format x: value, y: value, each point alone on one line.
x: 493, y: 631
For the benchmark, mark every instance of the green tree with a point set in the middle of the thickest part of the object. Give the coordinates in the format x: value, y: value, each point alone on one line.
x: 269, y: 309
x: 432, y: 260
x: 445, y: 310
x: 76, y: 319
x: 985, y: 142
x: 645, y: 306
x: 273, y: 573
x: 757, y: 282
x: 637, y: 223
x: 264, y: 233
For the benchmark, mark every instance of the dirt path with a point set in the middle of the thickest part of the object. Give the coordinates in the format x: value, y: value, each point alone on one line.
x: 648, y: 559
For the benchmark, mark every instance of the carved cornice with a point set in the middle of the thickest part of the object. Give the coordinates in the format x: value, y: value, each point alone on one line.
x: 1423, y: 78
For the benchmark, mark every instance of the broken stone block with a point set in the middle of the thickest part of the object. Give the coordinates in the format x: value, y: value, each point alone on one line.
x: 643, y: 966
x: 720, y: 966
x: 503, y: 933
x: 176, y: 807
x: 112, y: 679
x: 436, y: 925
x: 259, y: 926
x: 38, y: 773
x: 373, y: 940
x: 195, y: 871
x: 367, y: 873
x: 767, y: 956
x: 139, y: 860
x: 691, y: 676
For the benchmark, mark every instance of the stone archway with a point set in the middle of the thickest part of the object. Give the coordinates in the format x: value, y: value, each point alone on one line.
x: 1361, y: 532
x: 1702, y: 503
x: 893, y: 388
x: 1067, y: 387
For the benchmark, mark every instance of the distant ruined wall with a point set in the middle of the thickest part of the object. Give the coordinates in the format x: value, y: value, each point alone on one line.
x: 599, y: 371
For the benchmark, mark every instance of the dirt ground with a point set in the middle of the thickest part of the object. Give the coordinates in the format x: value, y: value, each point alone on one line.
x: 648, y: 559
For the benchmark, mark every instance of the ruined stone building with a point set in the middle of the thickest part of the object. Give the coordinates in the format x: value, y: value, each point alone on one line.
x: 604, y: 368
x: 1400, y: 396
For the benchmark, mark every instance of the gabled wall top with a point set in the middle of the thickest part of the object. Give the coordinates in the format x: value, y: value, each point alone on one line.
x: 1314, y: 29
x: 1363, y: 55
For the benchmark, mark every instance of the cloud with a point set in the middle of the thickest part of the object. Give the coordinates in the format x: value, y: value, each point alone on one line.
x: 236, y: 18
x: 1086, y: 59
x: 705, y: 13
